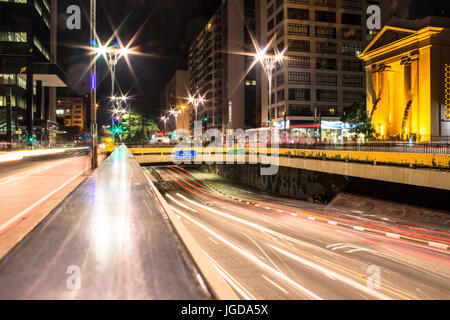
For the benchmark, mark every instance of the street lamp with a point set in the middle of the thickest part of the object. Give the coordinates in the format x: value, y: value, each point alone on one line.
x: 164, y: 119
x: 196, y: 102
x: 269, y: 63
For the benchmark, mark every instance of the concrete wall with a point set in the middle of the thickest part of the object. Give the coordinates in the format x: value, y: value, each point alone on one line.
x: 290, y: 182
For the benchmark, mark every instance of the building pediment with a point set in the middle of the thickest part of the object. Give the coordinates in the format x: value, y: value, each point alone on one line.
x: 388, y: 35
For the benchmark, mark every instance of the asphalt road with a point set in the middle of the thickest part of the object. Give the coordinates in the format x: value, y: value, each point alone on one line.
x: 269, y: 249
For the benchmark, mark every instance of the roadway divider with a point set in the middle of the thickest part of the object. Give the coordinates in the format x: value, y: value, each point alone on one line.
x: 219, y: 287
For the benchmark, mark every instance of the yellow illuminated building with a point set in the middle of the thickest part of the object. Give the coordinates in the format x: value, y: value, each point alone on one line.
x: 408, y: 79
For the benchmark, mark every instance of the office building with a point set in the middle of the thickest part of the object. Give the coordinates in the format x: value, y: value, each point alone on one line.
x: 74, y: 111
x: 321, y: 73
x: 219, y: 68
x: 175, y: 97
x: 29, y: 74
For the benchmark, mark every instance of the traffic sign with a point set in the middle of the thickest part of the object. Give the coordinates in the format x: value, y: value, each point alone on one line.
x: 185, y: 154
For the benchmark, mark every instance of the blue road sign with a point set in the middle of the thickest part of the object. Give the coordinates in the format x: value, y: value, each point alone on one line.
x: 185, y: 154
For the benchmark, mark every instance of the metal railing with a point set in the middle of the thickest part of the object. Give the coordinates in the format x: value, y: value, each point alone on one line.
x: 395, y: 147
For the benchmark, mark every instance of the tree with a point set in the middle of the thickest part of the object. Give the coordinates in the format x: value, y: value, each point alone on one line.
x: 357, y: 114
x: 138, y: 128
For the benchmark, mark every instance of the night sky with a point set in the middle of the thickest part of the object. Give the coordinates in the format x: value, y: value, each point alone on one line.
x: 167, y: 28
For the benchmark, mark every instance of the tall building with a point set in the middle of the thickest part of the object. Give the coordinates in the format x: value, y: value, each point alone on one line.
x: 321, y: 74
x: 29, y: 74
x: 219, y: 69
x: 175, y: 97
x: 74, y: 111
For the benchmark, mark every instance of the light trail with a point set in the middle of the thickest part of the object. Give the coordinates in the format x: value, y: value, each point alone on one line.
x: 251, y: 257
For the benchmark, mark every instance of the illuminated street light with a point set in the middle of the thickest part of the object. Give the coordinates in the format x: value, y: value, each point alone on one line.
x: 196, y: 102
x: 269, y: 63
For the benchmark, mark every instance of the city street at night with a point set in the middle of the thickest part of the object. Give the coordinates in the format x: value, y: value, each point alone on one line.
x: 225, y: 159
x: 268, y: 249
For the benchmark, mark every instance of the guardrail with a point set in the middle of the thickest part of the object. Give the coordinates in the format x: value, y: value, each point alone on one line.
x: 394, y: 147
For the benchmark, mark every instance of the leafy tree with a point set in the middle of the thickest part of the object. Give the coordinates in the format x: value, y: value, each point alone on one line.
x: 139, y: 128
x: 357, y: 114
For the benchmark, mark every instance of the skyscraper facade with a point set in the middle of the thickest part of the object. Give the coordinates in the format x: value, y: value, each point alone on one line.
x: 321, y: 73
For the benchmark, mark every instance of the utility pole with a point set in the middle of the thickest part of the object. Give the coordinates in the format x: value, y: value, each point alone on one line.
x: 9, y: 120
x: 93, y: 86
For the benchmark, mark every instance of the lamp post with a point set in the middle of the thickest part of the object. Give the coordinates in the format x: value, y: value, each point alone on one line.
x: 196, y: 102
x: 269, y: 62
x: 94, y: 155
x: 164, y: 120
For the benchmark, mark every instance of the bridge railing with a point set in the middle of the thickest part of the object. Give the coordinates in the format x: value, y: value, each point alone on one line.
x: 394, y: 147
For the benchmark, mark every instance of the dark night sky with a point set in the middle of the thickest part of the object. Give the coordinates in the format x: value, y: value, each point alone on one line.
x: 170, y: 27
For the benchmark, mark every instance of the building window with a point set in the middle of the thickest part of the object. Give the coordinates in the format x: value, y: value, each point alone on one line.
x: 325, y: 3
x: 326, y: 95
x: 270, y: 10
x: 351, y: 65
x: 351, y: 34
x: 298, y: 29
x: 280, y: 79
x: 353, y: 19
x: 326, y: 32
x: 280, y: 96
x: 300, y: 110
x: 13, y: 36
x: 326, y: 16
x: 326, y: 47
x: 298, y: 14
x: 351, y: 4
x: 353, y: 97
x: 326, y: 64
x: 280, y: 16
x: 299, y: 77
x: 270, y: 25
x: 351, y: 49
x: 352, y: 81
x: 299, y: 94
x: 298, y: 45
x: 299, y: 62
x: 325, y: 79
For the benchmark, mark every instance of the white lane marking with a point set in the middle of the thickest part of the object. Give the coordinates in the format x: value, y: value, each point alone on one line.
x: 179, y: 203
x: 334, y: 223
x: 438, y: 245
x: 276, y: 285
x: 213, y: 240
x: 294, y: 214
x: 251, y: 257
x: 333, y: 274
x: 312, y: 218
x: 231, y: 281
x: 24, y: 212
x: 29, y: 173
x: 393, y: 235
x: 359, y: 228
x: 334, y: 244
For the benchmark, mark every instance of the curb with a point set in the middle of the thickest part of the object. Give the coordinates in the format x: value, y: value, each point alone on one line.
x: 217, y: 284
